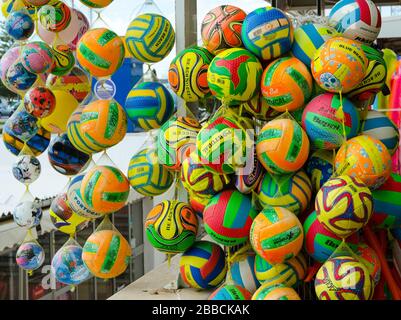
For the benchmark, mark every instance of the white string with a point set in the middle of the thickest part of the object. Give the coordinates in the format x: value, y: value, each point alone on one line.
x: 395, y: 109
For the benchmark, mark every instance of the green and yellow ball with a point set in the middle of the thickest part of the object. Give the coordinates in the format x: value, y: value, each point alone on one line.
x: 275, y: 292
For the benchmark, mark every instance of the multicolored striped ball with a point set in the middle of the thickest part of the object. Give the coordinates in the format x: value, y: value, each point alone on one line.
x: 203, y: 266
x: 242, y: 273
x: 228, y: 217
x: 259, y: 108
x: 275, y: 292
x: 198, y: 203
x: 230, y: 292
x: 320, y: 168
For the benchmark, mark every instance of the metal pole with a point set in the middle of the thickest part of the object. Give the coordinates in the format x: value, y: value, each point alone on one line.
x: 131, y: 278
x: 94, y: 278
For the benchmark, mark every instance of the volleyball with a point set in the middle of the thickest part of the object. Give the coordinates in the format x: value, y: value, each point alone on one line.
x: 339, y: 65
x: 344, y: 205
x: 230, y: 292
x: 228, y: 217
x: 324, y: 122
x: 259, y: 108
x: 366, y: 158
x: 147, y: 176
x: 356, y: 19
x: 221, y: 28
x: 234, y: 76
x: 37, y: 57
x: 203, y: 266
x: 248, y: 178
x: 19, y: 25
x: 286, y: 84
x: 242, y: 273
x: 105, y: 189
x: 187, y: 74
x: 106, y: 254
x: 308, y: 38
x: 171, y: 226
x: 149, y: 105
x: 100, y: 52
x: 370, y: 259
x: 377, y: 125
x: 267, y: 32
x: 150, y: 37
x: 276, y: 235
x: 103, y: 123
x: 290, y: 192
x: 282, y: 146
x: 320, y: 168
x: 276, y: 292
x: 343, y: 278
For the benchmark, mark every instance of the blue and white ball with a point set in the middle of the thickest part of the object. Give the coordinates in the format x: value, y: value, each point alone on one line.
x: 19, y: 25
x: 27, y: 214
x: 242, y: 273
x: 320, y: 168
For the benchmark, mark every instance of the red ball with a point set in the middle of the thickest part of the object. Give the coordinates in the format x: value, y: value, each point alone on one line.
x: 40, y: 102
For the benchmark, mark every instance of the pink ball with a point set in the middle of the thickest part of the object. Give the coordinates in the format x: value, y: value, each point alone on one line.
x: 7, y: 60
x: 37, y: 57
x: 83, y: 27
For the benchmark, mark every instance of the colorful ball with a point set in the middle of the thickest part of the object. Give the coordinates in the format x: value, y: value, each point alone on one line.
x: 96, y: 4
x: 282, y: 146
x: 100, y: 52
x: 267, y: 32
x: 344, y: 205
x: 149, y: 105
x: 234, y: 76
x: 27, y: 214
x: 37, y: 57
x: 259, y: 108
x: 366, y: 158
x: 326, y: 117
x: 203, y: 266
x: 18, y: 79
x: 221, y: 28
x: 22, y: 124
x: 308, y: 38
x: 7, y: 60
x: 228, y: 217
x: 105, y: 189
x: 40, y: 102
x: 106, y: 254
x: 63, y: 60
x: 198, y: 203
x: 83, y: 27
x: 276, y: 235
x: 187, y: 74
x: 248, y: 179
x: 286, y: 84
x: 230, y: 292
x: 30, y: 256
x: 343, y: 278
x: 171, y: 226
x: 356, y: 19
x: 26, y: 169
x: 276, y: 292
x: 320, y: 168
x: 339, y: 65
x: 37, y: 3
x: 370, y: 259
x: 147, y: 176
x: 242, y: 273
x: 19, y: 25
x: 55, y: 17
x: 293, y: 193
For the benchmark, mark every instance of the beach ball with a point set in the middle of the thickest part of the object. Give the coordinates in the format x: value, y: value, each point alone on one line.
x: 56, y: 122
x: 75, y: 82
x: 387, y: 204
x: 83, y: 26
x: 234, y: 76
x: 308, y: 38
x: 39, y: 102
x: 68, y: 267
x: 171, y: 226
x: 377, y: 125
x: 198, y: 203
x: 30, y: 255
x: 366, y: 158
x: 320, y: 168
x: 27, y: 214
x: 324, y: 122
x: 100, y: 52
x: 26, y: 169
x: 106, y: 254
x: 149, y: 105
x: 22, y: 124
x: 230, y: 292
x: 276, y: 235
x: 203, y: 266
x: 75, y: 200
x: 228, y: 217
x: 293, y: 193
x: 65, y: 158
x: 248, y: 178
x: 356, y: 19
x: 288, y: 273
x: 282, y: 146
x: 19, y: 25
x: 187, y: 74
x: 37, y: 57
x: 320, y: 243
x: 242, y: 273
x: 150, y: 37
x: 267, y: 32
x: 286, y: 84
x: 63, y: 60
x: 63, y: 218
x: 275, y: 292
x: 339, y: 65
x: 18, y: 79
x: 7, y: 60
x: 344, y: 205
x: 96, y: 4
x: 147, y: 176
x: 259, y: 108
x: 55, y: 17
x: 370, y: 259
x: 176, y: 140
x: 104, y: 123
x: 221, y: 28
x: 343, y: 278
x: 105, y: 189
